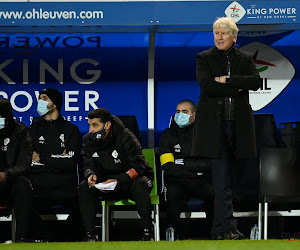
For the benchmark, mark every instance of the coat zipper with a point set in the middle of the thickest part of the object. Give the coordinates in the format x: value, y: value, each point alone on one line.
x: 230, y: 101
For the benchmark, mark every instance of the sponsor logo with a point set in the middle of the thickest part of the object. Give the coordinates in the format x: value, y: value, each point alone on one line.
x: 291, y: 236
x: 41, y: 140
x: 115, y: 154
x: 5, y: 142
x: 25, y: 43
x: 117, y: 160
x: 95, y: 155
x: 25, y: 49
x: 62, y: 137
x: 275, y: 70
x: 271, y: 13
x: 235, y: 11
x: 177, y: 148
x: 28, y: 45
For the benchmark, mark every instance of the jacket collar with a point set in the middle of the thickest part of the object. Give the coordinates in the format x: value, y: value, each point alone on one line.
x: 233, y: 52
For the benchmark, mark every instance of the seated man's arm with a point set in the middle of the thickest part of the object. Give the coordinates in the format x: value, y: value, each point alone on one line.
x: 88, y: 162
x: 172, y: 167
x: 197, y: 165
x: 23, y: 161
x: 135, y: 159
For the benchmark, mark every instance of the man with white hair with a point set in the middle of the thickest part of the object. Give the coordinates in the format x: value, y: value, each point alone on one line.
x: 224, y: 125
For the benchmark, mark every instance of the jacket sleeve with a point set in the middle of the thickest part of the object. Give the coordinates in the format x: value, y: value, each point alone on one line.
x: 250, y: 81
x: 23, y: 162
x: 197, y: 165
x: 207, y: 81
x: 68, y: 162
x: 167, y: 161
x: 88, y: 162
x: 135, y: 159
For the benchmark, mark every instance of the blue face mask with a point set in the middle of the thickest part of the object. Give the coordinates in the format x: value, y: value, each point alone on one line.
x: 2, y: 122
x: 182, y: 119
x: 42, y: 107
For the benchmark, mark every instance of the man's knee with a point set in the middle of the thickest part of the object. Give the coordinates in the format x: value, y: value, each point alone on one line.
x: 143, y: 184
x: 21, y: 184
x: 84, y: 187
x: 174, y: 192
x: 171, y: 195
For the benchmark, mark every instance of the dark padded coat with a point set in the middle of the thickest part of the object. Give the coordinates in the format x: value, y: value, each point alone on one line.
x: 16, y: 149
x: 56, y: 177
x: 178, y: 141
x: 207, y: 130
x: 112, y: 158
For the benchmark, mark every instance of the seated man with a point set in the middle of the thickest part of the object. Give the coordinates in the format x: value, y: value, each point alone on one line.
x: 15, y: 160
x: 56, y: 145
x: 112, y: 154
x: 185, y: 176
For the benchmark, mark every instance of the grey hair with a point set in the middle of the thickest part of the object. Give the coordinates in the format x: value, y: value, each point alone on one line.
x: 226, y: 23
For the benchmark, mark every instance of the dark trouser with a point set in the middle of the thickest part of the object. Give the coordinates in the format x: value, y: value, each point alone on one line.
x: 73, y: 226
x: 90, y: 201
x: 178, y: 192
x: 221, y: 171
x: 17, y: 191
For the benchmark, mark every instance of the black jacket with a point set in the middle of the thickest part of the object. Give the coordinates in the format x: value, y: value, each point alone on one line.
x: 113, y: 157
x: 16, y: 149
x: 55, y: 176
x: 207, y: 128
x: 178, y: 142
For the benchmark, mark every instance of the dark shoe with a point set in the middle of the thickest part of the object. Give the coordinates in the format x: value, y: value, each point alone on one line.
x: 41, y: 241
x: 89, y: 237
x: 23, y: 240
x: 147, y: 235
x: 232, y: 234
x: 218, y: 236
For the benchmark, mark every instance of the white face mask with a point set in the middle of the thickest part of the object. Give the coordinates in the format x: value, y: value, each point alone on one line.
x: 182, y: 119
x: 42, y: 108
x: 2, y: 122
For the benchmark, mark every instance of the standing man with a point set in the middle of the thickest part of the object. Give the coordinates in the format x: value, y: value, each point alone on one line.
x: 15, y: 160
x: 185, y: 176
x: 56, y: 146
x: 113, y: 155
x: 224, y: 126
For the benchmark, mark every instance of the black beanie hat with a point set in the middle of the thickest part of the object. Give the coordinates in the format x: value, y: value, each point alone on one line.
x: 6, y: 109
x: 55, y: 96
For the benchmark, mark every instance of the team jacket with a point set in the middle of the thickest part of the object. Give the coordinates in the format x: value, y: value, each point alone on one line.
x: 119, y: 156
x: 16, y: 149
x: 55, y: 176
x: 175, y: 147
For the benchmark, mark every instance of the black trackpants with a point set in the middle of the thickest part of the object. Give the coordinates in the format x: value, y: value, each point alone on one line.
x: 17, y: 192
x: 73, y: 225
x: 222, y: 172
x: 180, y: 191
x: 90, y: 201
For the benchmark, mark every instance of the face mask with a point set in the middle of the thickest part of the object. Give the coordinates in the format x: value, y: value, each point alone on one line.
x: 2, y: 122
x: 97, y: 136
x: 42, y: 107
x: 182, y: 119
